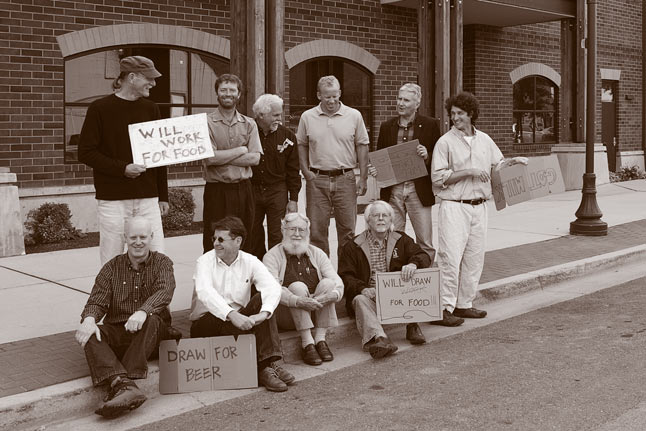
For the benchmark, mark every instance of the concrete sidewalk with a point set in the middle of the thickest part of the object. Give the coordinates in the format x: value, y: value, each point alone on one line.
x: 42, y: 295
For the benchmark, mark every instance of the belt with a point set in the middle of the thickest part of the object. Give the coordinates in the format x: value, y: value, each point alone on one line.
x: 332, y: 173
x: 470, y: 201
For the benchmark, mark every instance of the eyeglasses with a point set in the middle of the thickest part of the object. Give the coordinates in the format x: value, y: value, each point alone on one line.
x: 220, y: 239
x: 296, y: 229
x: 379, y: 215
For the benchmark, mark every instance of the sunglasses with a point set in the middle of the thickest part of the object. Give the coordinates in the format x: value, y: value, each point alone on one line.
x: 220, y: 239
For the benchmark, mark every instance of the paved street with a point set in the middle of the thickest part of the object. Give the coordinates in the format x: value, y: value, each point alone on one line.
x: 575, y: 365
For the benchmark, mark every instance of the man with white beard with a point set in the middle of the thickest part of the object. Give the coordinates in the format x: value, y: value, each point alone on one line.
x: 310, y: 284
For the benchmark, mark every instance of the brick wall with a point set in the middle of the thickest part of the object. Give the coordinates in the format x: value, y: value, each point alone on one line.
x: 490, y: 54
x: 31, y: 75
x: 619, y: 32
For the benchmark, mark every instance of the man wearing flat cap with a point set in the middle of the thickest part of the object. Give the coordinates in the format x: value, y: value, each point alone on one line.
x: 124, y: 189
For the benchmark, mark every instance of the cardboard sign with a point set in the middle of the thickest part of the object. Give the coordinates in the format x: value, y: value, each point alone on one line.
x: 170, y: 141
x: 397, y: 164
x: 204, y: 364
x: 519, y: 183
x: 417, y: 300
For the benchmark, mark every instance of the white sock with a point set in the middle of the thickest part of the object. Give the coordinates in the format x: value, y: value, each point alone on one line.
x: 319, y: 334
x: 306, y: 337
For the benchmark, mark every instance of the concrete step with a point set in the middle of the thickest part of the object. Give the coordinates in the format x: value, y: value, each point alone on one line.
x: 78, y: 398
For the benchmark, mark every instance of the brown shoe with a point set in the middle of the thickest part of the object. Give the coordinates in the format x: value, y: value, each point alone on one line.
x: 310, y: 355
x: 172, y: 334
x: 282, y: 373
x: 469, y: 313
x: 381, y: 347
x: 448, y: 319
x: 268, y: 378
x: 324, y: 351
x: 414, y: 334
x: 123, y: 396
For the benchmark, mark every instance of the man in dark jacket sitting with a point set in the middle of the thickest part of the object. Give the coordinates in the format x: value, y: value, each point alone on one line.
x: 378, y: 249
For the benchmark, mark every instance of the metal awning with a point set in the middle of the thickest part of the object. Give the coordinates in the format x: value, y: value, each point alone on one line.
x: 506, y: 13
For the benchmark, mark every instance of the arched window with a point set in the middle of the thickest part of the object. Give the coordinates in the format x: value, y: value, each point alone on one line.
x: 185, y: 87
x: 535, y: 102
x: 356, y: 87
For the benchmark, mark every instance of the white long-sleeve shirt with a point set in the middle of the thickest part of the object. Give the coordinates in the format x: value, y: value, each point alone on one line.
x: 221, y: 288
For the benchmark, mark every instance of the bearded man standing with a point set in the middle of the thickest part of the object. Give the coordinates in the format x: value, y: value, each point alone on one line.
x: 311, y: 287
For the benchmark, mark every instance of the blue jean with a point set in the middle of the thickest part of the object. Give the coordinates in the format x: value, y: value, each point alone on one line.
x: 324, y: 194
x: 404, y: 199
x: 272, y: 202
x: 124, y: 353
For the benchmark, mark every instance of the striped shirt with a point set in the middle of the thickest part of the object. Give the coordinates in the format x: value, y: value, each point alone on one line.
x: 377, y: 256
x: 120, y: 290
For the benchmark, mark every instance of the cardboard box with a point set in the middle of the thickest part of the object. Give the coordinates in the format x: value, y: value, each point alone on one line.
x: 204, y: 364
x: 416, y: 300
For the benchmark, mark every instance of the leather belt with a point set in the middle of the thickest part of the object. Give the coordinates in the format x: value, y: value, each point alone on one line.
x: 332, y: 173
x: 470, y: 201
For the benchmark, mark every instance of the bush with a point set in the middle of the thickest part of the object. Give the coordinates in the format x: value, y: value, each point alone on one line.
x: 50, y: 222
x: 181, y: 211
x: 627, y: 174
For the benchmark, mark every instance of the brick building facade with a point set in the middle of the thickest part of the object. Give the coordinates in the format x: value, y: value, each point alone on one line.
x: 374, y: 44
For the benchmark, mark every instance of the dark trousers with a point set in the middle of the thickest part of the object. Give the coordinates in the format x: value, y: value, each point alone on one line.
x: 267, y: 338
x: 223, y: 199
x: 124, y: 353
x: 272, y: 202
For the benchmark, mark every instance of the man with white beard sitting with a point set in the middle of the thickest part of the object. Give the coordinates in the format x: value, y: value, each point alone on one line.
x: 310, y: 284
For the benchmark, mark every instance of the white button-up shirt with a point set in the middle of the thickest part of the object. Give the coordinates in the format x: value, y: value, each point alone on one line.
x: 221, y: 288
x: 453, y: 153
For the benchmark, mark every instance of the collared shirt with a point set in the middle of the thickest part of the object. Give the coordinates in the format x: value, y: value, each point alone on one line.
x: 331, y: 139
x: 120, y: 290
x: 279, y: 162
x: 221, y: 288
x: 300, y: 268
x: 377, y: 256
x: 453, y: 153
x: 241, y: 131
x: 404, y: 133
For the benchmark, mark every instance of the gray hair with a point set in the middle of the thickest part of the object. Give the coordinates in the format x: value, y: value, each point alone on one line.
x: 368, y: 211
x: 328, y: 81
x: 413, y: 88
x: 289, y: 217
x: 263, y: 104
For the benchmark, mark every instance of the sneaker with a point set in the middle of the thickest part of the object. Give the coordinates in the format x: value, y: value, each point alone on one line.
x: 268, y: 378
x: 282, y: 373
x: 469, y: 313
x: 448, y: 319
x: 123, y: 396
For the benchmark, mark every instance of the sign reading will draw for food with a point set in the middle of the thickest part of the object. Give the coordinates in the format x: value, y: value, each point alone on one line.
x: 415, y: 300
x: 170, y: 141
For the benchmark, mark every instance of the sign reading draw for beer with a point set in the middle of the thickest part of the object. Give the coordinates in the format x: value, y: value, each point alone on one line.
x: 520, y: 183
x: 416, y: 300
x: 397, y: 164
x: 170, y: 141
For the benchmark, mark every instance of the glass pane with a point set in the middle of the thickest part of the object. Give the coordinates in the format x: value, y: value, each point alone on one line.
x: 204, y: 72
x: 545, y: 94
x: 356, y: 86
x: 527, y: 127
x: 545, y: 127
x: 524, y: 94
x: 74, y: 118
x: 178, y: 77
x: 607, y: 93
x: 90, y: 77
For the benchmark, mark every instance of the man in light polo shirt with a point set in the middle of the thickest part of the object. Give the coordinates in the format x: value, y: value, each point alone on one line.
x: 331, y: 139
x: 236, y: 148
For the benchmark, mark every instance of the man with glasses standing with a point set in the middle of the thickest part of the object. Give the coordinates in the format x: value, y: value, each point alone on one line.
x: 124, y: 189
x: 223, y: 303
x: 311, y: 287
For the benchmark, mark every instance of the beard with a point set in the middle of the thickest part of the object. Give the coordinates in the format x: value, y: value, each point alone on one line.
x: 297, y: 248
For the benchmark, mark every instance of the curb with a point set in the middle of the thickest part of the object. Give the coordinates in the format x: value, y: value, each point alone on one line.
x: 78, y: 398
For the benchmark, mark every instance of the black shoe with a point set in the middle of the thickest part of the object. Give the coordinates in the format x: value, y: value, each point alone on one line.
x: 324, y: 351
x: 381, y: 347
x: 448, y: 319
x: 414, y: 334
x: 310, y: 355
x: 469, y: 313
x: 124, y: 395
x: 284, y: 375
x: 173, y: 334
x: 268, y: 378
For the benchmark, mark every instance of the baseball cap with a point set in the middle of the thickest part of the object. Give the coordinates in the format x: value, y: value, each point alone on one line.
x: 139, y: 64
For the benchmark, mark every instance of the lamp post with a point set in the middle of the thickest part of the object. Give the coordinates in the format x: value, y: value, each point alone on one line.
x: 588, y: 221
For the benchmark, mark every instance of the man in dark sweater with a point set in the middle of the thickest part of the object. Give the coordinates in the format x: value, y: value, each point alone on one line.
x: 124, y: 189
x: 276, y: 180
